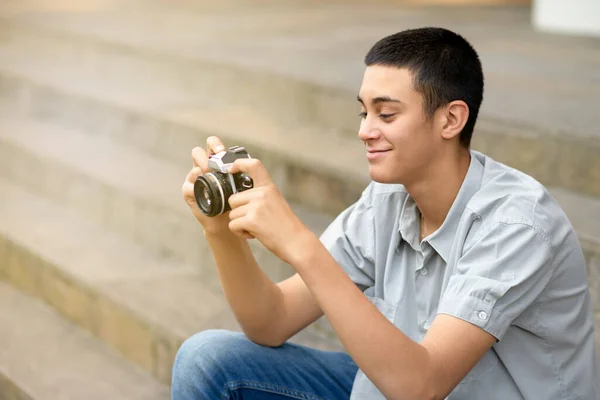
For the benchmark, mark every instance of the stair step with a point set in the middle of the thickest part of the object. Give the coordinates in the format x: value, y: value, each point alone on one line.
x: 269, y: 58
x: 44, y: 356
x: 119, y: 186
x: 142, y: 305
x: 308, y: 164
x: 321, y: 45
x: 116, y: 179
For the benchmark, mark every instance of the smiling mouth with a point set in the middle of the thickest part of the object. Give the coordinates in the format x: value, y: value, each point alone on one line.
x: 377, y: 151
x: 371, y: 155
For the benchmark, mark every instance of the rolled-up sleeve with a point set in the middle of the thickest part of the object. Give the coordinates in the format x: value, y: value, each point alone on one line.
x: 499, y: 277
x: 350, y: 240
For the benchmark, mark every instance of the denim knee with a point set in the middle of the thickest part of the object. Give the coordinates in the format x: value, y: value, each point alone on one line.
x: 204, y: 361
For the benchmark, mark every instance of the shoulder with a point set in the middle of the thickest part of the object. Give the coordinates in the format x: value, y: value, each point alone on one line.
x: 509, y: 196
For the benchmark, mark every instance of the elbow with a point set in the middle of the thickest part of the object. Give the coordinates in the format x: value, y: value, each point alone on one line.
x: 415, y: 394
x: 265, y: 340
x: 427, y: 393
x: 264, y: 337
x: 421, y: 388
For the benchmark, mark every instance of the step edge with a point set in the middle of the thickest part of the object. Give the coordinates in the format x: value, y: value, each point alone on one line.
x: 488, y: 121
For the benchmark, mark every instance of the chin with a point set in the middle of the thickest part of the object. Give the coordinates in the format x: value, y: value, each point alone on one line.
x: 380, y: 176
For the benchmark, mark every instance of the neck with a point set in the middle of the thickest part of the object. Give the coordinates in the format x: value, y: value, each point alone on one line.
x: 437, y: 189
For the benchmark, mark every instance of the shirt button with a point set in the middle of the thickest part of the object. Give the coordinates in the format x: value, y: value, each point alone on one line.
x: 482, y: 315
x: 423, y: 271
x: 426, y: 325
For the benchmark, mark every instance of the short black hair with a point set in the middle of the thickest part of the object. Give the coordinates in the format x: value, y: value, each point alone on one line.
x: 445, y: 67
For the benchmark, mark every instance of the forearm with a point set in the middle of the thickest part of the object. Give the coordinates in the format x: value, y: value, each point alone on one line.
x: 253, y: 298
x: 397, y: 365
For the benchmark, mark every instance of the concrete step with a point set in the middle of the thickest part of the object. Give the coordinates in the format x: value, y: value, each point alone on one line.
x: 120, y: 187
x: 308, y: 166
x: 309, y: 59
x: 140, y: 304
x: 44, y: 356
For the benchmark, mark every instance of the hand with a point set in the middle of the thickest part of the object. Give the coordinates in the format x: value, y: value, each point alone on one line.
x: 217, y: 223
x: 263, y: 213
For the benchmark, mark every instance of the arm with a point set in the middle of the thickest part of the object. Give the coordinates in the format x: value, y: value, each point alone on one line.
x: 500, y: 276
x: 268, y: 313
x: 402, y: 368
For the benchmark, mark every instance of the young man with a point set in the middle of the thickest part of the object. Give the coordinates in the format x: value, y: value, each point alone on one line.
x: 453, y: 276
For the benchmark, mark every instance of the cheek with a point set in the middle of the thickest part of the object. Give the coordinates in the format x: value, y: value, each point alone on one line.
x: 403, y: 132
x: 412, y: 142
x: 418, y: 130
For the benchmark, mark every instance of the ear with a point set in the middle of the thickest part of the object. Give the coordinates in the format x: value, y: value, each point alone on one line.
x: 456, y: 114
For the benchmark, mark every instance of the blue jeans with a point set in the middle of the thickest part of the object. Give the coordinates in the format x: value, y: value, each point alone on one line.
x: 218, y: 364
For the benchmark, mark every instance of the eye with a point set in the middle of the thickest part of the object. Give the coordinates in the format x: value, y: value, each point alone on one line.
x: 363, y: 115
x: 386, y: 116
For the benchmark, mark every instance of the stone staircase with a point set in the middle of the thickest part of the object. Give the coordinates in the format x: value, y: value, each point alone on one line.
x: 103, y: 270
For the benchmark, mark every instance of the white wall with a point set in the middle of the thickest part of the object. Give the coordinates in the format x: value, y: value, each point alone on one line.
x: 567, y: 16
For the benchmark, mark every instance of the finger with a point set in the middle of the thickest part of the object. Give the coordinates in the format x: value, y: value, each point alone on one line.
x: 214, y: 145
x: 242, y: 198
x: 237, y: 227
x: 238, y: 212
x: 199, y: 158
x: 193, y: 174
x: 254, y: 169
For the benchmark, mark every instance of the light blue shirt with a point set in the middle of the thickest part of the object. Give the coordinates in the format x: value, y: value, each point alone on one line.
x: 505, y: 259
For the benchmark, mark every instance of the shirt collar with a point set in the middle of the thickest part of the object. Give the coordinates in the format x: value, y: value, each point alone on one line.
x: 409, y: 223
x: 441, y: 240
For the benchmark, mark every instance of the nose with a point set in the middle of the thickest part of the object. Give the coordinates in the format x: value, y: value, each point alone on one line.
x: 367, y: 131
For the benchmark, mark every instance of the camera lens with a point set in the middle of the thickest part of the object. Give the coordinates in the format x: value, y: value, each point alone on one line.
x: 212, y: 192
x: 205, y: 197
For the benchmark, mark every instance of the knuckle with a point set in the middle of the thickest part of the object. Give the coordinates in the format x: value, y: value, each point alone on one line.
x: 213, y: 141
x: 198, y: 154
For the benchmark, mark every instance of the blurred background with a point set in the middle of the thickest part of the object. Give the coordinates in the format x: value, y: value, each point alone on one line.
x: 104, y: 271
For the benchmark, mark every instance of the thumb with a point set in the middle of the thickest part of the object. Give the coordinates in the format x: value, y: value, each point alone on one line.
x: 254, y: 169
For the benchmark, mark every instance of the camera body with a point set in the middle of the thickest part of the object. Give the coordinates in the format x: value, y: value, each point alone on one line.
x: 213, y: 189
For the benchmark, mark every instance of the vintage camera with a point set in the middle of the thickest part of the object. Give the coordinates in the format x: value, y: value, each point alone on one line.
x: 213, y: 189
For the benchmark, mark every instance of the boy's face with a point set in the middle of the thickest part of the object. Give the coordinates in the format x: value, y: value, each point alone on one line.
x: 400, y: 141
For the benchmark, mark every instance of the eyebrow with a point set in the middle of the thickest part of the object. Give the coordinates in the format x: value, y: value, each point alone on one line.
x: 379, y: 99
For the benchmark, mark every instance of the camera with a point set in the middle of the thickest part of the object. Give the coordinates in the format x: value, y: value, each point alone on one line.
x: 213, y: 189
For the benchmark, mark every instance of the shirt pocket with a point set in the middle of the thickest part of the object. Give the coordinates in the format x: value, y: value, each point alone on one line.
x: 386, y: 308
